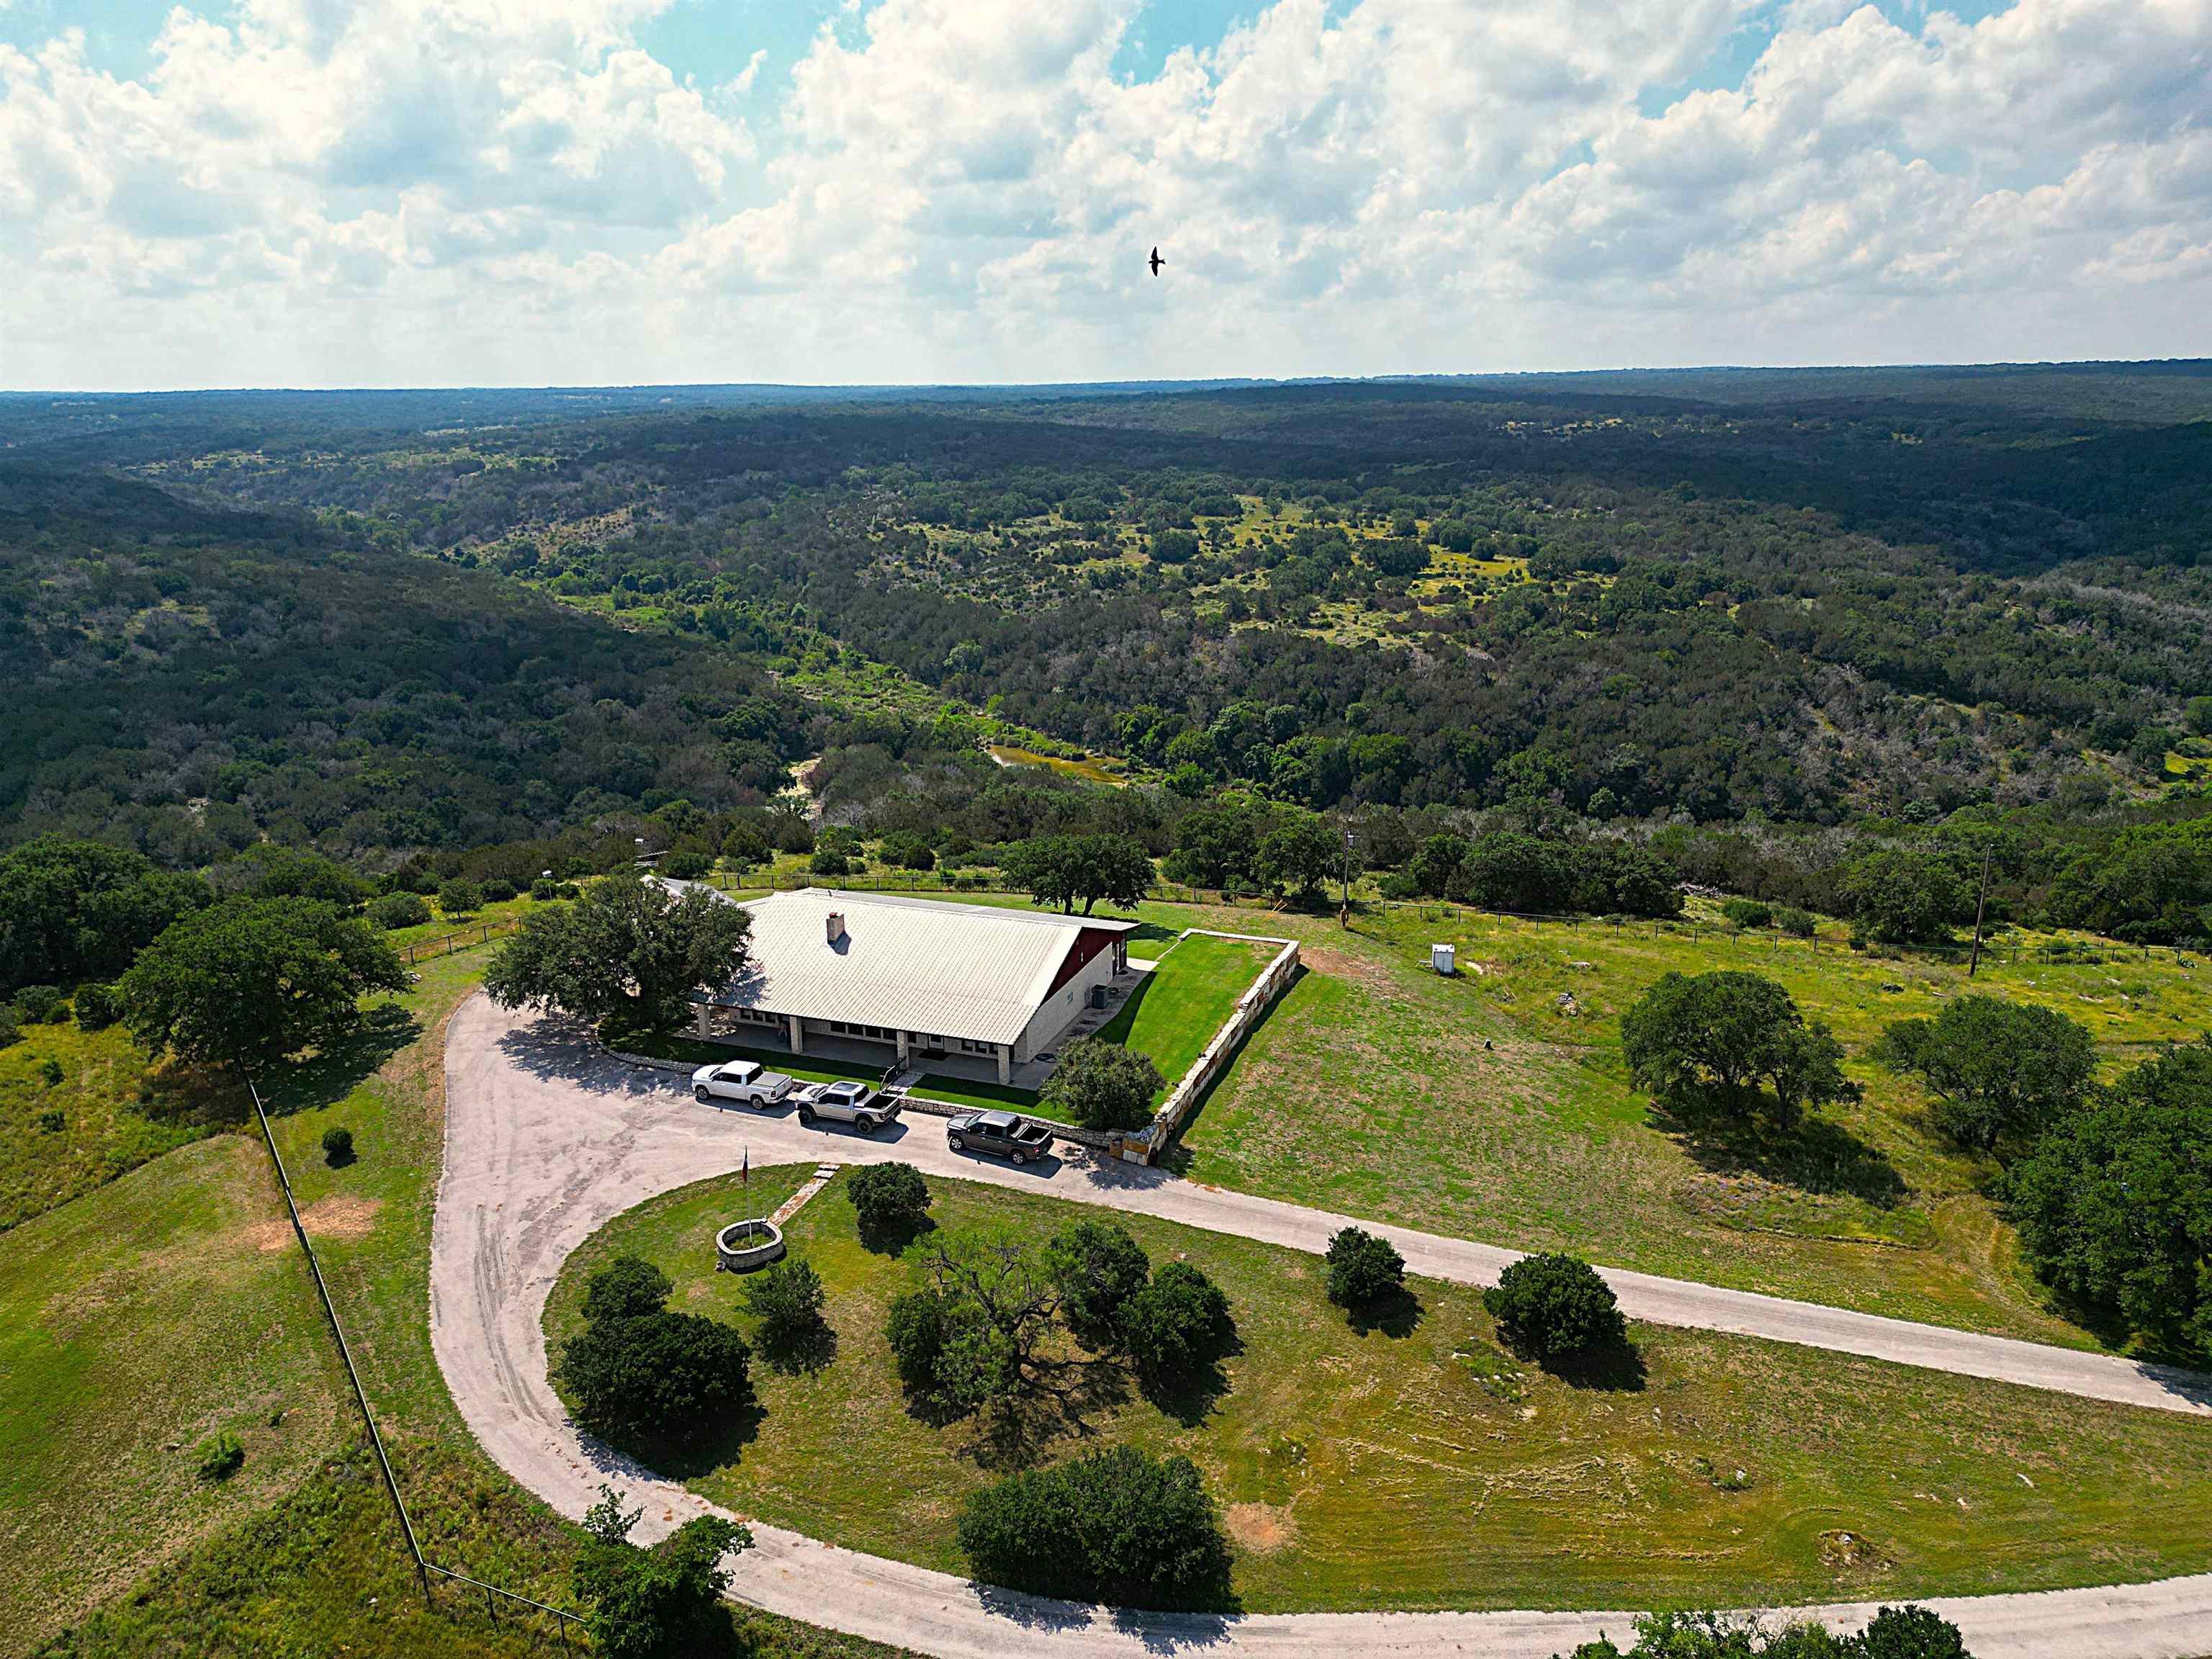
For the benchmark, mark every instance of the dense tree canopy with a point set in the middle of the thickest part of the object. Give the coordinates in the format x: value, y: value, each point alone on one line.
x: 73, y: 909
x: 244, y: 984
x: 1995, y: 1067
x: 2114, y: 1204
x: 1117, y: 1525
x: 629, y: 952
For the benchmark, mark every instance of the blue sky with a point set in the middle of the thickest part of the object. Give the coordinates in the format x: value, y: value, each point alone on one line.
x: 402, y: 192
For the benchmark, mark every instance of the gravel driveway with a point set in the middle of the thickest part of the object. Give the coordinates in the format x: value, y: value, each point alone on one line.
x: 547, y: 1138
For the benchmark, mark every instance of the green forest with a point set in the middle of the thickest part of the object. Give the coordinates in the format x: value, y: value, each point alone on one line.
x: 1753, y: 624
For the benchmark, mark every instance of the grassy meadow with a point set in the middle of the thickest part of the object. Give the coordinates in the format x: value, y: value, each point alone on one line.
x: 1417, y: 1463
x: 1495, y: 1105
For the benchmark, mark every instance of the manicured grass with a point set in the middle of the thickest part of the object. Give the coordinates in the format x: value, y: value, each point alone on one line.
x: 1175, y: 1011
x: 1482, y: 1106
x: 983, y: 1097
x: 1419, y: 1464
x: 115, y: 1115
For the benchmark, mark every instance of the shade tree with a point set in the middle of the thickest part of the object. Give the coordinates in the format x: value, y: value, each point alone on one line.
x: 628, y: 954
x: 1996, y: 1068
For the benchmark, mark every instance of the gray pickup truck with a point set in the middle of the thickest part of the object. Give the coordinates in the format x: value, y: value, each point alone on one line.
x: 866, y: 1109
x: 1016, y: 1138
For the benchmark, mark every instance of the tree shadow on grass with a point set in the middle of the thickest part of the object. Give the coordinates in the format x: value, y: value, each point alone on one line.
x: 802, y: 1353
x: 685, y: 1456
x: 896, y: 1240
x: 1815, y: 1154
x: 1617, y: 1368
x: 1191, y: 1397
x: 1397, y: 1314
x: 350, y: 1059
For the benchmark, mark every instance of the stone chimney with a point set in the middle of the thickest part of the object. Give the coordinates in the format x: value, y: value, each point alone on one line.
x: 836, y: 922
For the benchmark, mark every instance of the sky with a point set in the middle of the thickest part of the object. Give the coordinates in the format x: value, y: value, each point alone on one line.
x: 437, y: 193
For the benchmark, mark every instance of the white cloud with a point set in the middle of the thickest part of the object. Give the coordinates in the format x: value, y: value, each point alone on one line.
x: 963, y: 188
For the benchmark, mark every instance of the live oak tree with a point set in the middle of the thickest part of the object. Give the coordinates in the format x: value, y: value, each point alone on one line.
x: 888, y: 1200
x: 1995, y: 1067
x: 975, y: 1333
x: 1907, y: 896
x: 1362, y: 1268
x: 1715, y: 1038
x: 1071, y: 870
x: 639, y: 1368
x: 1103, y: 1085
x: 1555, y: 1307
x: 246, y: 982
x: 79, y: 909
x: 1096, y: 1266
x: 1174, y: 1322
x: 1117, y: 1525
x: 628, y: 954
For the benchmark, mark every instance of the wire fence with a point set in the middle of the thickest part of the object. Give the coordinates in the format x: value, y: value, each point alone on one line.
x: 566, y: 1623
x: 464, y: 939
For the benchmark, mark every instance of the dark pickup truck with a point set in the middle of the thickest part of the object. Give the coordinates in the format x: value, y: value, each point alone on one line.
x: 1015, y: 1137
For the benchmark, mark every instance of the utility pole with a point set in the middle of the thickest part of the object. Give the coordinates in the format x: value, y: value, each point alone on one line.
x: 1981, y: 909
x: 1344, y: 916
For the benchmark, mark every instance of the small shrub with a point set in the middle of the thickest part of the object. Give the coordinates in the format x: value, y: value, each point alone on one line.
x: 35, y: 1003
x: 830, y: 861
x: 786, y: 1297
x: 221, y: 1457
x: 1103, y: 1085
x: 1362, y: 1268
x: 1096, y: 1266
x: 51, y: 1121
x: 98, y: 1007
x: 457, y: 897
x: 10, y: 1034
x: 1798, y: 924
x: 337, y: 1145
x: 626, y: 1287
x: 686, y: 864
x: 50, y: 1072
x: 890, y: 1199
x: 1748, y: 913
x: 396, y: 910
x: 1911, y: 1633
x: 916, y: 1327
x: 498, y: 891
x: 1117, y: 1526
x: 544, y: 889
x: 1555, y: 1307
x: 1174, y: 1324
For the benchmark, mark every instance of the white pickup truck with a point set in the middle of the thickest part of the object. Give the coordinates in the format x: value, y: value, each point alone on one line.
x: 746, y: 1082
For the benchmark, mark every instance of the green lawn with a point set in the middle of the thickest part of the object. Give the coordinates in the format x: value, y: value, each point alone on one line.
x: 1428, y: 1468
x: 1176, y: 1010
x: 1484, y: 1107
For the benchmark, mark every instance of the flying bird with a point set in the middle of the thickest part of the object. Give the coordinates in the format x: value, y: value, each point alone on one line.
x: 1157, y: 262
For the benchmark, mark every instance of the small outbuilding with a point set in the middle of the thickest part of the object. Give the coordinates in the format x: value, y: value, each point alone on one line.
x: 926, y: 980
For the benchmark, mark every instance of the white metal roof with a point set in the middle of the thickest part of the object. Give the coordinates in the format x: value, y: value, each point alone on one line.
x: 956, y: 970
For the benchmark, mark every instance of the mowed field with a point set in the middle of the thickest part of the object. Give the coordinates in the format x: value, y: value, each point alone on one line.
x: 1418, y: 1464
x: 1496, y: 1105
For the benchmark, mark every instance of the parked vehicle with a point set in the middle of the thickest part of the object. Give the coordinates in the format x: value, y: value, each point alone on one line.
x: 1014, y: 1137
x: 747, y: 1082
x: 866, y: 1109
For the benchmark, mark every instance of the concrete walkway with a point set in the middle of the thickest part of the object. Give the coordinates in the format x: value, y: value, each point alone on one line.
x: 547, y: 1138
